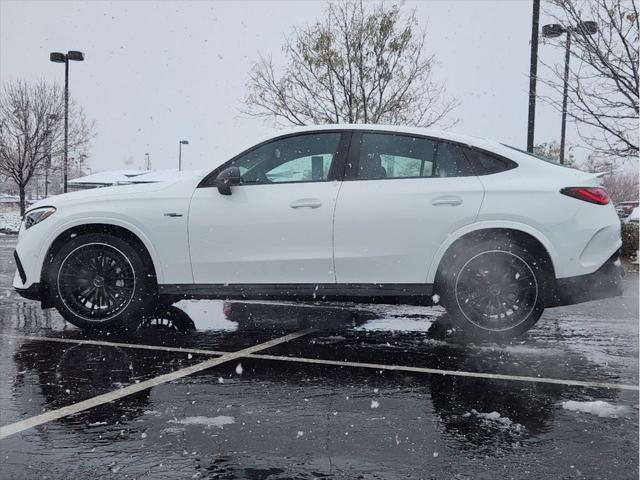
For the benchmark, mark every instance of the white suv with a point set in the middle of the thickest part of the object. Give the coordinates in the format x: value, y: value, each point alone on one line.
x: 342, y: 212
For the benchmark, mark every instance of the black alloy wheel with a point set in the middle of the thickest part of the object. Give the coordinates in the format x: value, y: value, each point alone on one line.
x: 493, y: 289
x: 101, y: 281
x: 496, y: 290
x: 96, y: 281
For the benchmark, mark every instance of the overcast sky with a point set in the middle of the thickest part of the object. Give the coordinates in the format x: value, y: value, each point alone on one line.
x: 157, y: 72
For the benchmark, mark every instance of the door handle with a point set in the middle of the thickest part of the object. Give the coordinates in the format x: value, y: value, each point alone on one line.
x: 306, y: 203
x: 446, y: 200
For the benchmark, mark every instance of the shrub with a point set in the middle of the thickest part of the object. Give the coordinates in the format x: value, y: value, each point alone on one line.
x: 629, y: 239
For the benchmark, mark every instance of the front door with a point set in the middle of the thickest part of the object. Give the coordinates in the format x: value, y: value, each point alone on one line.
x: 276, y: 226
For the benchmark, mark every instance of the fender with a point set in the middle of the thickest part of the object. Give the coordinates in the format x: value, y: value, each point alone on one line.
x: 490, y: 224
x: 83, y: 220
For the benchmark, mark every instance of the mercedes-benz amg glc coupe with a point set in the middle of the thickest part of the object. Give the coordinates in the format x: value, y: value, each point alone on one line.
x: 342, y: 212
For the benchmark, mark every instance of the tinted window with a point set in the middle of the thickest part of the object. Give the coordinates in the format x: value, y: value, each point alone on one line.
x: 303, y: 158
x: 402, y: 156
x: 484, y: 163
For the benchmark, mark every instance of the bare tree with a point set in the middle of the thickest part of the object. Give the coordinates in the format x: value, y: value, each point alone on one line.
x: 620, y: 183
x: 603, y: 82
x: 32, y: 130
x: 356, y: 65
x: 551, y: 151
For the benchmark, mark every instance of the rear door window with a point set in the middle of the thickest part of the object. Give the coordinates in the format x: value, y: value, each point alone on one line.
x: 383, y: 155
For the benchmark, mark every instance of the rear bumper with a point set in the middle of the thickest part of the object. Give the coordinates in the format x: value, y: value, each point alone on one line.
x: 605, y: 282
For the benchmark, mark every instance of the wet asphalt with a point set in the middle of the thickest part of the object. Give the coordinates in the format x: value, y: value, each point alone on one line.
x: 279, y: 418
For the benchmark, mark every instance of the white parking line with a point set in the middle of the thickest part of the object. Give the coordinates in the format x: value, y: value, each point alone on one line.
x: 138, y: 387
x: 373, y: 366
x: 115, y: 344
x: 456, y: 373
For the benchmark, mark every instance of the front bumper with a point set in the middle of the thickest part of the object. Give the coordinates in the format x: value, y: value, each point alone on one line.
x: 605, y: 282
x: 33, y: 291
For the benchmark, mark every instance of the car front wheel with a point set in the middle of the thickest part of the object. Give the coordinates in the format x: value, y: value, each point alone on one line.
x: 100, y: 281
x: 493, y: 290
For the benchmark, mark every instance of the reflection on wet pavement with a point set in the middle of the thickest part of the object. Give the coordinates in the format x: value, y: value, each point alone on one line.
x: 265, y: 419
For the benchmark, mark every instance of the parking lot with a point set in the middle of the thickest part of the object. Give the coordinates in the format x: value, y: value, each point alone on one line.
x: 274, y: 391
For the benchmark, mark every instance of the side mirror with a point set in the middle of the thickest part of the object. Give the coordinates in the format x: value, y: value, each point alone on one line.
x: 226, y: 178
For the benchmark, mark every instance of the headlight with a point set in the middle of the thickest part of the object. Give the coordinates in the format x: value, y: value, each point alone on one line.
x: 37, y: 215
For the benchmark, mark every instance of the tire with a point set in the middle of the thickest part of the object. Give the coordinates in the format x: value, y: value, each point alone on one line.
x: 493, y: 289
x: 99, y: 281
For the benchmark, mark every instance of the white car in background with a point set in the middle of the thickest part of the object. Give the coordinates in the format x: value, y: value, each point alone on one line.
x: 341, y: 212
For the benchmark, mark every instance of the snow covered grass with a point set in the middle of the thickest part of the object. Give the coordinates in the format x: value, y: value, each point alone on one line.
x: 597, y: 407
x: 10, y: 222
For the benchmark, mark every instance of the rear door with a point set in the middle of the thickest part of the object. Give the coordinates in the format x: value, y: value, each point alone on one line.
x: 401, y: 197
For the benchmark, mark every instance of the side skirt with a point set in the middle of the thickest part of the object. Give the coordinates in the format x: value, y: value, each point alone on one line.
x: 406, y: 293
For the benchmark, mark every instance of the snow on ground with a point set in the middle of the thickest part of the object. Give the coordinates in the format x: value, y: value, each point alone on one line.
x: 405, y: 318
x: 520, y: 349
x: 597, y: 407
x: 494, y: 419
x: 396, y: 325
x: 207, y: 314
x: 10, y: 222
x: 219, y: 421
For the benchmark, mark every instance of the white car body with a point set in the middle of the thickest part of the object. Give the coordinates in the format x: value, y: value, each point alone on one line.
x: 391, y: 232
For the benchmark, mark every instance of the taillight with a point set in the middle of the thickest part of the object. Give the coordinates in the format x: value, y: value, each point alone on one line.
x: 596, y: 195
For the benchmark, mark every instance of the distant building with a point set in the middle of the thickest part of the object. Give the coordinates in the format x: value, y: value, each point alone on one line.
x: 105, y: 179
x: 124, y: 177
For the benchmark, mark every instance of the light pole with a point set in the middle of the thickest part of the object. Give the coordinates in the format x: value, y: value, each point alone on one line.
x: 533, y: 74
x: 555, y: 30
x: 147, y: 162
x: 47, y: 164
x: 182, y: 142
x: 58, y: 57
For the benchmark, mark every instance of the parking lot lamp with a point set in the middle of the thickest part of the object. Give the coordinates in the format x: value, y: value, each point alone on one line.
x: 555, y: 30
x: 58, y: 57
x: 182, y: 142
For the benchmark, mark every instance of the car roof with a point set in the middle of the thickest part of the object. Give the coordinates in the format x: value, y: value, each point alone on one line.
x: 427, y: 132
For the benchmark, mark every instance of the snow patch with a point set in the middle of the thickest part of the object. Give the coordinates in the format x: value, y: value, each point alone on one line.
x: 219, y: 421
x: 396, y: 325
x: 494, y: 419
x: 173, y: 430
x: 597, y: 407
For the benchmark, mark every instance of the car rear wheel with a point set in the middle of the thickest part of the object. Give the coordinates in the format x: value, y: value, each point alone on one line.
x: 493, y: 290
x: 100, y: 281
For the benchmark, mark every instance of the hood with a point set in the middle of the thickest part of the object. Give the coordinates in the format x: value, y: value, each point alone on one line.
x: 139, y: 187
